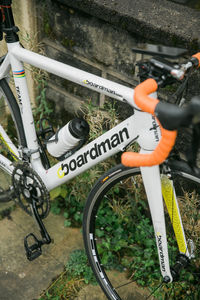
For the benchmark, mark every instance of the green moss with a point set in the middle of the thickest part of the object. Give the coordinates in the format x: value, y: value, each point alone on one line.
x: 46, y: 24
x: 124, y: 25
x: 194, y: 45
x: 47, y: 29
x: 71, y: 11
x: 194, y: 4
x: 68, y: 43
x: 174, y: 40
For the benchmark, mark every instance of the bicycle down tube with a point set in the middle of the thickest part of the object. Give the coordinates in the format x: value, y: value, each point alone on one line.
x: 140, y: 126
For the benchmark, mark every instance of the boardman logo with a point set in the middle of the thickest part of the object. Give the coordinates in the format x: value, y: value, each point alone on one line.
x: 155, y: 129
x: 101, y: 87
x: 161, y: 254
x: 96, y: 151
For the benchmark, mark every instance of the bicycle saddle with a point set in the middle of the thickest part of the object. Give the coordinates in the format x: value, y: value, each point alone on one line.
x: 160, y: 50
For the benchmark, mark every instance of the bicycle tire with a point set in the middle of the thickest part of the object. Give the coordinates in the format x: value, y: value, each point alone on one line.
x: 106, y: 224
x: 17, y: 131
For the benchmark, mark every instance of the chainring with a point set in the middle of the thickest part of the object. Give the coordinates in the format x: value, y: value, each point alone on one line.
x: 28, y: 186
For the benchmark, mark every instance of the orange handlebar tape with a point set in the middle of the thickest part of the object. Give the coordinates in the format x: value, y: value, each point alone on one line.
x: 159, y: 155
x: 142, y: 100
x: 197, y: 55
x: 148, y: 104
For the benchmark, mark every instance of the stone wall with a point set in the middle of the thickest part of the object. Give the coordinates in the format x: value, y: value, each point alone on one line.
x: 97, y: 36
x: 83, y: 41
x: 25, y: 15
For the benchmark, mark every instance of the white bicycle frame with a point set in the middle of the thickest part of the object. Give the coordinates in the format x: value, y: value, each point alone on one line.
x: 140, y: 127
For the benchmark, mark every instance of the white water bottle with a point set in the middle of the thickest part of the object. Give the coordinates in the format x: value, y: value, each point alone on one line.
x: 68, y: 137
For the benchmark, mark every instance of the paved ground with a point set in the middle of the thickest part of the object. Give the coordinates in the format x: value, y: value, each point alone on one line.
x: 24, y: 280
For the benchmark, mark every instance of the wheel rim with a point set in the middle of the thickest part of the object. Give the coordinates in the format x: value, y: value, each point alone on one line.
x: 6, y: 189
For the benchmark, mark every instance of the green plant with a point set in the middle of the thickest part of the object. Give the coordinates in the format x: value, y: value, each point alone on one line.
x: 126, y: 241
x: 77, y: 273
x: 63, y: 287
x: 78, y: 267
x: 100, y: 120
x: 125, y: 245
x: 42, y: 108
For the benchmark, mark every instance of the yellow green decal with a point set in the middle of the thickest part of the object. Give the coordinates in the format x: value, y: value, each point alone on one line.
x: 19, y: 74
x: 11, y: 151
x: 60, y: 172
x: 105, y: 179
x: 173, y: 210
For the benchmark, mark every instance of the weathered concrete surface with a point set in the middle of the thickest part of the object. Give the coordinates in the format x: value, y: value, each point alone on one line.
x: 129, y: 292
x: 156, y: 19
x: 24, y: 280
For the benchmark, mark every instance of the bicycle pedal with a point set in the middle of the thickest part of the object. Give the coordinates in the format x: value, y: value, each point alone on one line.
x: 34, y: 250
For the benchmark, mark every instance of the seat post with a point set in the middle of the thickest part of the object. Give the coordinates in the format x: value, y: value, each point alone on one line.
x: 8, y: 21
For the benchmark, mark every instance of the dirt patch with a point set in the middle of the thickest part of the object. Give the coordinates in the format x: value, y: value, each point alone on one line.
x: 129, y: 292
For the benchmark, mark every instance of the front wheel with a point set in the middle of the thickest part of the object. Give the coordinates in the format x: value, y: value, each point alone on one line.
x: 119, y: 237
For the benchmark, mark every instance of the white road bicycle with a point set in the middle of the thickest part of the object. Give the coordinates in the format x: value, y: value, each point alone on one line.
x: 116, y: 224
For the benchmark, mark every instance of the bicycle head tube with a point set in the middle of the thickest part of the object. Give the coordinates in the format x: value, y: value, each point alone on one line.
x: 168, y: 138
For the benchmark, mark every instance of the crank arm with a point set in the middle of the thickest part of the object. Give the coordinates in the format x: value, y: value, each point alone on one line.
x: 45, y: 236
x: 32, y: 245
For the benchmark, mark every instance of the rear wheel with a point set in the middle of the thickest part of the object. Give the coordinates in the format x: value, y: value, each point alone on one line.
x: 120, y: 243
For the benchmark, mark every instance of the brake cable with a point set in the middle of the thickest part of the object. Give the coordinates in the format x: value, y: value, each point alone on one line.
x: 192, y: 151
x: 178, y: 95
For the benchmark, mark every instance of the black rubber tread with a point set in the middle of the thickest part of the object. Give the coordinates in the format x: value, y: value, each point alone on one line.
x: 14, y: 108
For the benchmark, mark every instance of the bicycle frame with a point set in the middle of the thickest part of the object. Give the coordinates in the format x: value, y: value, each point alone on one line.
x: 108, y: 144
x: 140, y: 127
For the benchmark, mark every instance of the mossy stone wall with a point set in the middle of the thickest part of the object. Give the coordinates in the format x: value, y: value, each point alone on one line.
x: 98, y: 37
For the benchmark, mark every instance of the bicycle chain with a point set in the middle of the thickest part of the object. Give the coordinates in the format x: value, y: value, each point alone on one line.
x: 27, y: 185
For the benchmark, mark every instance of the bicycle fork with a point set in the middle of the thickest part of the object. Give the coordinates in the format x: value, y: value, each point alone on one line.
x: 159, y: 188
